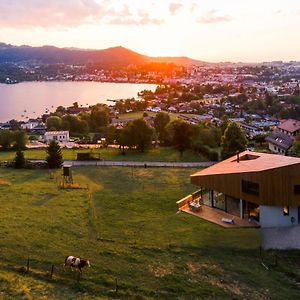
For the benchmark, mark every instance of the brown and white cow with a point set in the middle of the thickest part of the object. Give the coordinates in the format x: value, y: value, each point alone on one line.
x: 76, y: 262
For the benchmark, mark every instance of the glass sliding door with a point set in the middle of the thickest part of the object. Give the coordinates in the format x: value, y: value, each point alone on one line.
x: 219, y: 200
x: 207, y: 197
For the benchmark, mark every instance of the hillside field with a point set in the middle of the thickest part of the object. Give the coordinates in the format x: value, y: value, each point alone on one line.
x: 124, y: 221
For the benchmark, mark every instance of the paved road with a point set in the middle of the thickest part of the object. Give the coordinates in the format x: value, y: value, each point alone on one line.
x: 138, y: 164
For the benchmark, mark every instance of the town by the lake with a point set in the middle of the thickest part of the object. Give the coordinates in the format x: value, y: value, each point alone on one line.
x: 164, y: 168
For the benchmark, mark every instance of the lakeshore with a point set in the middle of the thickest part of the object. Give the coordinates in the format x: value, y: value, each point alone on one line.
x: 32, y: 99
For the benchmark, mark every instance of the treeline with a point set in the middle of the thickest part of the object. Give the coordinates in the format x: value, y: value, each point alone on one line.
x: 280, y: 107
x: 13, y: 139
x: 186, y: 93
x: 200, y: 138
x: 130, y: 104
x: 81, y: 124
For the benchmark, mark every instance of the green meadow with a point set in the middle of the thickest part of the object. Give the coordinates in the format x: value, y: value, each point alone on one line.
x: 124, y: 221
x: 163, y: 154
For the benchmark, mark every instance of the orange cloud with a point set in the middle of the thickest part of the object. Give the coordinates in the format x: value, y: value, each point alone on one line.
x: 213, y: 17
x: 127, y: 18
x: 72, y: 13
x: 54, y: 13
x: 174, y: 7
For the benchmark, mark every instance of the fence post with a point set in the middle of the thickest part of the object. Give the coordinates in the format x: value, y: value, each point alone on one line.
x: 52, y: 271
x: 27, y: 269
x: 116, y: 288
x: 276, y: 260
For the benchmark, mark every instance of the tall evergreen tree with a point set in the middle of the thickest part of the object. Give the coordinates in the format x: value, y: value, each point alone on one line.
x: 21, y: 139
x: 20, y: 160
x: 233, y: 140
x: 54, y: 155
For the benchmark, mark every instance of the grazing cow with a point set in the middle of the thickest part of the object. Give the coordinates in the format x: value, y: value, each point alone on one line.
x: 76, y: 262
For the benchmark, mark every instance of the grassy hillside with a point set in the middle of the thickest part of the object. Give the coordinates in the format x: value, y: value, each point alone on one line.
x: 124, y: 221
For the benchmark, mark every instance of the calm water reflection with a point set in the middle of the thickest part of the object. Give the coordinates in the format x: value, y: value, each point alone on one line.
x: 31, y: 99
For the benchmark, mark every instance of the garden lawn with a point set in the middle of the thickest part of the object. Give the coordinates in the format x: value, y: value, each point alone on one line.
x: 124, y: 221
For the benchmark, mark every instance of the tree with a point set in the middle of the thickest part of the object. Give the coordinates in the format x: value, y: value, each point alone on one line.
x: 233, y: 140
x: 19, y: 160
x: 111, y: 134
x: 99, y: 118
x: 53, y: 123
x: 6, y: 138
x: 54, y: 155
x: 122, y: 138
x: 260, y: 139
x: 224, y: 124
x: 75, y: 104
x: 296, y: 146
x: 180, y: 133
x: 74, y: 125
x: 21, y: 139
x: 161, y: 120
x: 269, y: 99
x: 140, y: 134
x: 14, y: 124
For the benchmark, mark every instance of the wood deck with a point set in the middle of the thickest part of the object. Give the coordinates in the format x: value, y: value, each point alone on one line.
x: 215, y: 216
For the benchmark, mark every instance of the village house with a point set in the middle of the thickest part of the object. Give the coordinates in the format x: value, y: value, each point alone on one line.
x: 281, y: 140
x: 251, y: 130
x: 30, y: 124
x: 290, y: 127
x: 280, y: 143
x: 251, y: 190
x: 59, y: 136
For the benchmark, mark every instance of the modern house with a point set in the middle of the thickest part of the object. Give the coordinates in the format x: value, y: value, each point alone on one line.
x: 251, y: 190
x: 59, y: 136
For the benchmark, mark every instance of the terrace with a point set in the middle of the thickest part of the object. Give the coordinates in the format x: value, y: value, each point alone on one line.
x: 213, y: 215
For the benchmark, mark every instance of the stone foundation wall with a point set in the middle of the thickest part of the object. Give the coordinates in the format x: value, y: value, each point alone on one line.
x: 281, y: 237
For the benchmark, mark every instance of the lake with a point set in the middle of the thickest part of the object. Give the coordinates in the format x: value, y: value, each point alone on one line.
x: 31, y: 99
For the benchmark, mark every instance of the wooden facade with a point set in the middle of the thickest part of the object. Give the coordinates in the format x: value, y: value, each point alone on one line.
x: 277, y: 178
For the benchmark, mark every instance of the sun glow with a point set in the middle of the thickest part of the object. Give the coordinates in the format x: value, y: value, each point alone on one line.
x: 214, y: 31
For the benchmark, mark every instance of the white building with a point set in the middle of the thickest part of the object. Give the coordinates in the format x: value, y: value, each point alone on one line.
x: 30, y: 124
x: 59, y: 136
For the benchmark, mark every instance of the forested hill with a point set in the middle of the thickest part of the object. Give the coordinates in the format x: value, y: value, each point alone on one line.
x: 111, y: 56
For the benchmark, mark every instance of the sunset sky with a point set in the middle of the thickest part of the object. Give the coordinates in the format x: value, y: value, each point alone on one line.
x: 210, y: 30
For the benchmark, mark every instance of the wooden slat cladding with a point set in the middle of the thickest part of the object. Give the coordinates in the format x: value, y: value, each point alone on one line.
x: 276, y: 186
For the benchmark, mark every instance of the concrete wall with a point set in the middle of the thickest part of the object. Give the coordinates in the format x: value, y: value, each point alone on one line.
x: 281, y: 238
x: 272, y: 216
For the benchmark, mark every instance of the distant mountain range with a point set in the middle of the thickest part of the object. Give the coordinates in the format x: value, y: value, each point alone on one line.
x: 108, y: 57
